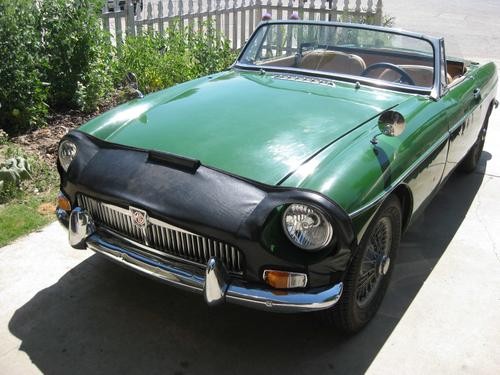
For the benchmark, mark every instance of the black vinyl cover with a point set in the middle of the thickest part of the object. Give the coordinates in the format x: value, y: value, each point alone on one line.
x: 203, y: 200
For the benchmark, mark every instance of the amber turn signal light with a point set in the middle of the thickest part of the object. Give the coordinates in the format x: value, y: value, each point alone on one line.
x: 285, y: 280
x: 63, y: 203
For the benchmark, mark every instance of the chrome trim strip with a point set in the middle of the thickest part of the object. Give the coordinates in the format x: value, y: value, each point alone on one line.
x: 266, y: 299
x: 372, y: 82
x: 163, y: 272
x: 149, y: 249
x: 236, y: 291
x: 302, y: 78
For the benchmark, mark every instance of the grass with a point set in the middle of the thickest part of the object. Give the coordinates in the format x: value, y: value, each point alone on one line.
x: 31, y: 205
x: 22, y: 216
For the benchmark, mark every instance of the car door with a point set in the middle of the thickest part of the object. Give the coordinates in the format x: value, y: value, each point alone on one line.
x: 431, y: 139
x: 465, y: 118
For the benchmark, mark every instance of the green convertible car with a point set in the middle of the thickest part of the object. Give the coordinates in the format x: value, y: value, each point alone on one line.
x: 285, y: 182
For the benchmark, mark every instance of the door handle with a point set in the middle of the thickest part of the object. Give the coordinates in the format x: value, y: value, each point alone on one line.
x: 477, y: 93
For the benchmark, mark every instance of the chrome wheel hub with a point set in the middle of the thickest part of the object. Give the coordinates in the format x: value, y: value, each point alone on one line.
x: 383, y: 265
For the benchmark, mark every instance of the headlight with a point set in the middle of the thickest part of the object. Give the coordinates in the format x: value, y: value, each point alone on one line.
x: 307, y: 227
x: 67, y: 152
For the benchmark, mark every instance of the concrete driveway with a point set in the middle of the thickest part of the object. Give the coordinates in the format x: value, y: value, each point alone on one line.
x: 67, y: 311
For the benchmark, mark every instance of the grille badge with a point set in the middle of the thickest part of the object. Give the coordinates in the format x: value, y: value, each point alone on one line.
x: 141, y: 221
x: 139, y: 217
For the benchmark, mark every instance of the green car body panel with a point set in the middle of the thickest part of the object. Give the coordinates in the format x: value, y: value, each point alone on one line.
x: 296, y: 134
x: 208, y: 171
x: 247, y: 124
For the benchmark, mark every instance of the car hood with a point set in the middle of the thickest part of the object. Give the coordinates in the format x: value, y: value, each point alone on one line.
x: 259, y: 126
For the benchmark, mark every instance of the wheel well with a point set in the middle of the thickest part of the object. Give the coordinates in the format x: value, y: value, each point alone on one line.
x: 406, y: 199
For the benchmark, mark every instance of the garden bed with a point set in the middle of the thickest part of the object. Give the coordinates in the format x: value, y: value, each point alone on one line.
x: 32, y: 204
x: 43, y: 142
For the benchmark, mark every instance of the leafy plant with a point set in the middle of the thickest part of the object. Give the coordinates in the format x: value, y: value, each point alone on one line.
x: 77, y: 53
x: 179, y: 55
x: 22, y: 93
x: 34, y: 175
x: 55, y: 52
x: 4, y: 138
x: 211, y: 52
x: 96, y: 83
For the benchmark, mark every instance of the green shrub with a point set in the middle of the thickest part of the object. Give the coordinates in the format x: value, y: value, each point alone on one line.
x: 77, y: 53
x: 55, y: 52
x: 22, y: 94
x: 96, y: 83
x: 211, y: 52
x: 160, y: 61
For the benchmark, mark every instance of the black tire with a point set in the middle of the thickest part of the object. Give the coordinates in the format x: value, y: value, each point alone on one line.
x: 357, y: 306
x: 470, y: 161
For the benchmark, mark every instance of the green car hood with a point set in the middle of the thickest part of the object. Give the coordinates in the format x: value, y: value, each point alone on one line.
x: 259, y: 126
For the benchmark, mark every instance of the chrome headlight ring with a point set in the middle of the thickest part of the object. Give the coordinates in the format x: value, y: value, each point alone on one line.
x: 67, y: 153
x: 307, y: 227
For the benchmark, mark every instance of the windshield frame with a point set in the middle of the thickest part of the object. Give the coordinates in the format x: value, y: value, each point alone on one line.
x: 434, y: 91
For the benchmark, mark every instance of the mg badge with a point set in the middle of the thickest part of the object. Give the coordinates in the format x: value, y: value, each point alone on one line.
x: 139, y: 217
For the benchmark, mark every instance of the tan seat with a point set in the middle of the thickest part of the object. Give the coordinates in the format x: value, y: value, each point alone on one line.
x: 422, y: 75
x: 333, y: 61
x: 287, y: 62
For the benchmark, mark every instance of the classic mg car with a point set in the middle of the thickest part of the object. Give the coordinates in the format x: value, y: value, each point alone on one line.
x: 285, y: 182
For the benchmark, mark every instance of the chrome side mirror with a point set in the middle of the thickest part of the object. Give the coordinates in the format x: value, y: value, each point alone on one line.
x: 391, y: 124
x: 133, y: 83
x: 132, y: 80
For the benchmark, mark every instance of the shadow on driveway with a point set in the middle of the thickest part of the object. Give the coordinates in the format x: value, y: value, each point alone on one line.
x: 100, y: 318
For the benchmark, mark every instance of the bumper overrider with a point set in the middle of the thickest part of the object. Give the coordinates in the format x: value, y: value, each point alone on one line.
x: 104, y: 171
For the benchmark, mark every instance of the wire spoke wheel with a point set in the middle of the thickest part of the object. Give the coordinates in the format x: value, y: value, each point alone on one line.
x: 375, y: 262
x: 369, y: 273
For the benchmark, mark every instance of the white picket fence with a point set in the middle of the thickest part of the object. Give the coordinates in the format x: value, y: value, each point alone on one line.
x: 234, y: 19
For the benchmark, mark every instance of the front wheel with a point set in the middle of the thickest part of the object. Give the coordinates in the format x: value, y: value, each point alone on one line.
x: 369, y: 273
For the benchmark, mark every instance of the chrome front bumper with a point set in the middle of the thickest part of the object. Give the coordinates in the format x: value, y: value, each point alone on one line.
x: 215, y: 284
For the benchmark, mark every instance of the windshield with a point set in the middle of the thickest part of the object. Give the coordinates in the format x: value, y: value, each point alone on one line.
x: 342, y: 51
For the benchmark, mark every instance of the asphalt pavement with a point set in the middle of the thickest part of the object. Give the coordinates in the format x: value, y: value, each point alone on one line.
x: 64, y: 311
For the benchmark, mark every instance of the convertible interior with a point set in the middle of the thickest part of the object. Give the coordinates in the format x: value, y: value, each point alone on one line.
x: 386, y: 66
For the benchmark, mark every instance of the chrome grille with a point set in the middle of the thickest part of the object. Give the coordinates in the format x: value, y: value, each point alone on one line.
x: 161, y: 238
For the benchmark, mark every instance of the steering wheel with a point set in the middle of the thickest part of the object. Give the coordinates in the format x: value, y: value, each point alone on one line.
x: 405, y: 77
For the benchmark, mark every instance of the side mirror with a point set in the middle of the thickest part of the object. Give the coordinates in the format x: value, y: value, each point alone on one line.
x: 391, y: 124
x: 132, y: 80
x: 133, y: 83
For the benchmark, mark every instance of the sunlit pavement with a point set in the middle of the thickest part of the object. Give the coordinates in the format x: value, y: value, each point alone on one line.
x: 453, y: 324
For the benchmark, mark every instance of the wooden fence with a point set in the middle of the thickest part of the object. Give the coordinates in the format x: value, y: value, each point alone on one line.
x: 234, y: 19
